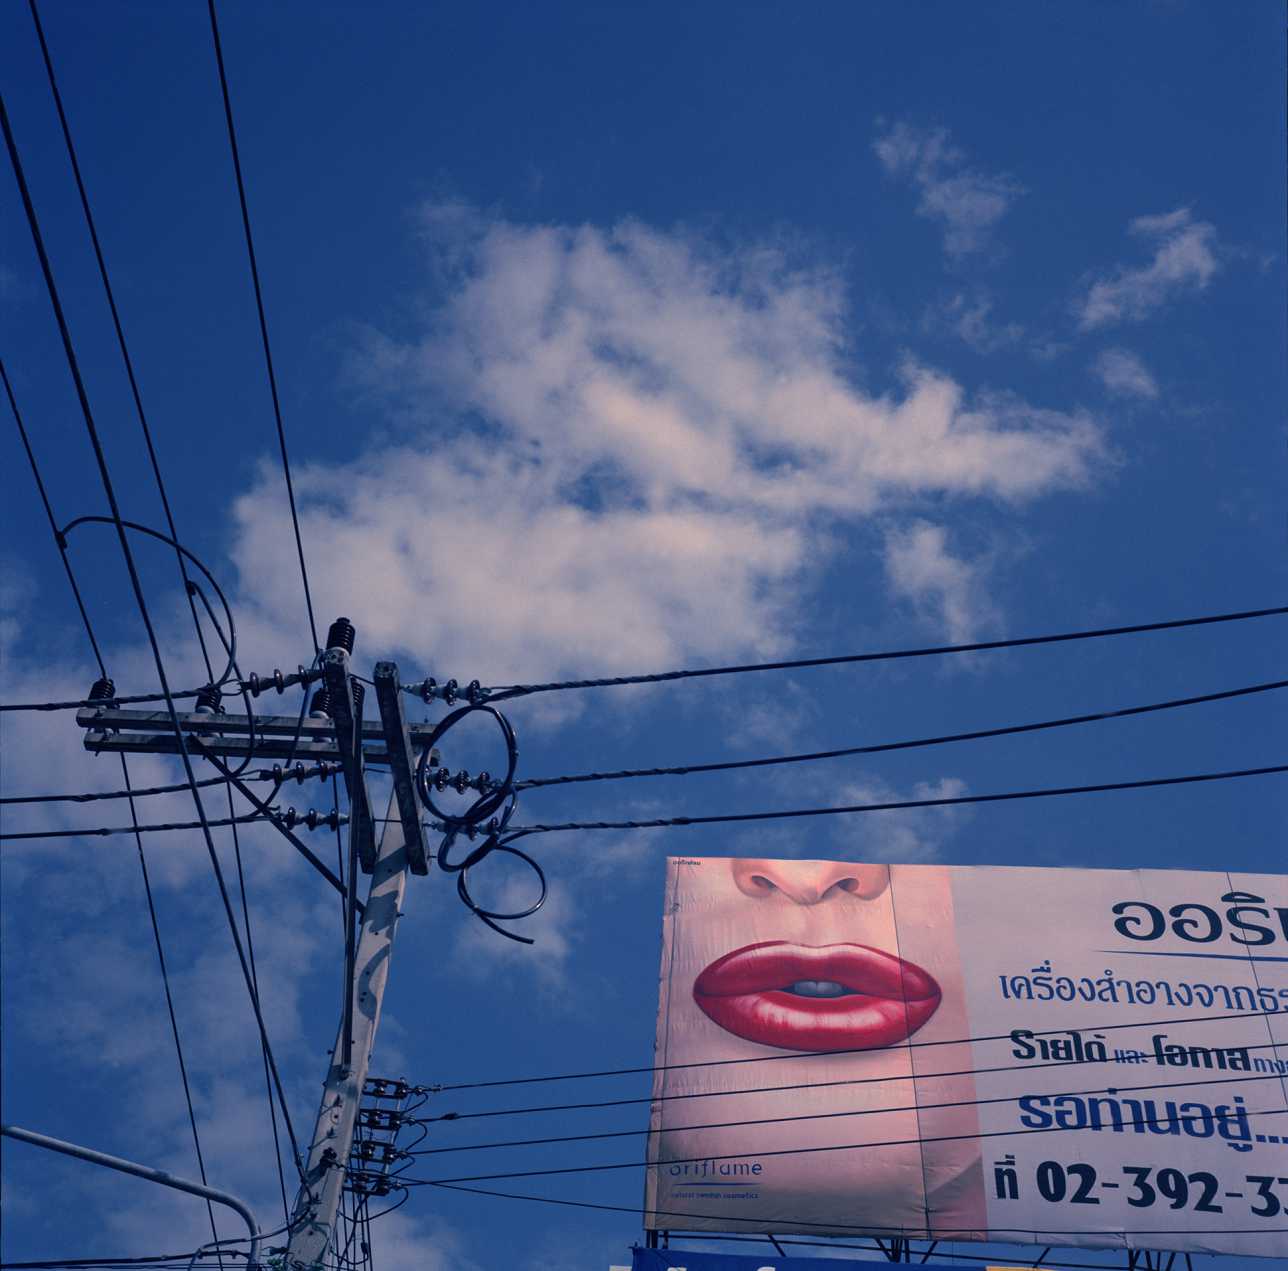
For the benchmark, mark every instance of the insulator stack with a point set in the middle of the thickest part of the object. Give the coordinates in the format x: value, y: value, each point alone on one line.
x: 341, y: 635
x: 210, y: 701
x: 104, y: 690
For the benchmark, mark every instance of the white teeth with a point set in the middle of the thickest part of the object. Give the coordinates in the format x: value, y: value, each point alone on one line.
x: 818, y: 988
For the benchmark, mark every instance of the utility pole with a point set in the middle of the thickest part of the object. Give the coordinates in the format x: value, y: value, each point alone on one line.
x: 313, y: 1220
x: 333, y: 732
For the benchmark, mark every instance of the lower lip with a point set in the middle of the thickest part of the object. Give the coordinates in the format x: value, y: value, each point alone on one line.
x: 890, y: 998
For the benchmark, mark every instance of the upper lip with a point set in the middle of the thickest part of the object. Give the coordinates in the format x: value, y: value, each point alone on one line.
x: 748, y: 993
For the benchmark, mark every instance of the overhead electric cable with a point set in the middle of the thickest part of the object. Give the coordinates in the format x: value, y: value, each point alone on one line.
x: 649, y: 1070
x: 61, y: 543
x: 797, y: 1151
x: 169, y: 1002
x: 882, y: 747
x: 135, y: 582
x: 804, y: 1085
x: 658, y: 823
x: 263, y: 321
x: 59, y: 539
x: 104, y: 831
x: 919, y: 1233
x: 858, y: 1112
x: 503, y: 692
x: 116, y: 322
x: 82, y: 702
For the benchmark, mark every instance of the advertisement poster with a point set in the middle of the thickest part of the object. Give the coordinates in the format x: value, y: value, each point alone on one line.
x: 1059, y: 1056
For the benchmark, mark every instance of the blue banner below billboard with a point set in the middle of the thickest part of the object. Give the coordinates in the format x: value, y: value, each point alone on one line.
x: 689, y: 1260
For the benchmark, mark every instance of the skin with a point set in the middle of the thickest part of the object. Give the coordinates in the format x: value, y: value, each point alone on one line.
x: 716, y: 906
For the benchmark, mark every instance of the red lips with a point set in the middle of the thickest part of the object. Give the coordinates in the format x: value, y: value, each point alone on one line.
x: 837, y: 997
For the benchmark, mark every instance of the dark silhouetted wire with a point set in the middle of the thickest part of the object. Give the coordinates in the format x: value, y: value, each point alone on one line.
x: 95, y: 796
x: 120, y: 699
x: 105, y: 831
x: 61, y: 543
x: 658, y: 823
x: 863, y: 1112
x: 263, y: 321
x: 137, y: 586
x: 647, y: 1070
x: 783, y: 1221
x: 977, y: 735
x: 53, y: 528
x: 169, y: 998
x: 116, y: 323
x: 799, y: 1151
x: 502, y: 692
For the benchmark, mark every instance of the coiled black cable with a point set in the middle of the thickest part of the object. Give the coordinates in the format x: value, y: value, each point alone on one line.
x: 481, y: 815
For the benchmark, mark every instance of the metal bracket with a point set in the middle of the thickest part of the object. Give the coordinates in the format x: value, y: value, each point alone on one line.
x: 402, y: 763
x: 348, y: 739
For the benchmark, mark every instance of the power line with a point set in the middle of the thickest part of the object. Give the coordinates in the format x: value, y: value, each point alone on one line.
x: 169, y: 1000
x: 861, y: 1112
x: 61, y: 543
x: 1136, y: 1123
x: 116, y: 319
x: 781, y: 1221
x: 119, y: 698
x: 895, y: 805
x: 976, y: 735
x: 53, y: 526
x: 135, y: 582
x: 94, y: 796
x: 263, y: 321
x: 859, y: 1050
x: 502, y: 692
x: 103, y: 831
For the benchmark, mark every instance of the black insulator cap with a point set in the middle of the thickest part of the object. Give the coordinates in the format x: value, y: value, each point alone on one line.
x: 103, y: 691
x: 209, y: 700
x: 320, y: 707
x: 341, y: 635
x: 359, y: 693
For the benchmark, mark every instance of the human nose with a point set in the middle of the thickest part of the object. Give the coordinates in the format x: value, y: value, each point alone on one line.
x: 808, y: 882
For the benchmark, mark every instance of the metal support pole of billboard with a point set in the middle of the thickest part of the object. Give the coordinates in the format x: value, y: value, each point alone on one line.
x: 318, y: 1202
x: 123, y: 1166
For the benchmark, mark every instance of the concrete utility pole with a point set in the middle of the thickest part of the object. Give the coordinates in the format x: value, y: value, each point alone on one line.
x: 313, y: 1221
x: 334, y: 730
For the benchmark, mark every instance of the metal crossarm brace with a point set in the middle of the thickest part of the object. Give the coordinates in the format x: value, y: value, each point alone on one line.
x: 402, y: 763
x: 275, y: 736
x: 335, y: 675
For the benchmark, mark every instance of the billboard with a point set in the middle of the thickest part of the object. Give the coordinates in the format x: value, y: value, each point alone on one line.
x: 1058, y: 1056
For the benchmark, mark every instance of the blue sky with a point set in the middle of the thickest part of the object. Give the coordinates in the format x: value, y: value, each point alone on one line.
x: 615, y: 340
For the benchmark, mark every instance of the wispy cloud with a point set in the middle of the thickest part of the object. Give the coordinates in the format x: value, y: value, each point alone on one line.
x: 1185, y: 260
x: 970, y: 318
x: 947, y: 588
x: 968, y: 202
x: 912, y: 835
x: 669, y: 436
x: 1125, y: 375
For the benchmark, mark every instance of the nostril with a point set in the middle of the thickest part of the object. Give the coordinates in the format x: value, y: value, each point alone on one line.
x: 762, y: 883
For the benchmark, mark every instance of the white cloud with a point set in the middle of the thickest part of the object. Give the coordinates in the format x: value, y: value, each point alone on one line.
x: 661, y: 437
x: 971, y: 319
x: 920, y: 568
x: 968, y: 202
x: 912, y: 835
x: 1125, y: 375
x: 1185, y: 260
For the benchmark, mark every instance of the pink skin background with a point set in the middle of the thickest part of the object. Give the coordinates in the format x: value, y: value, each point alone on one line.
x: 717, y: 905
